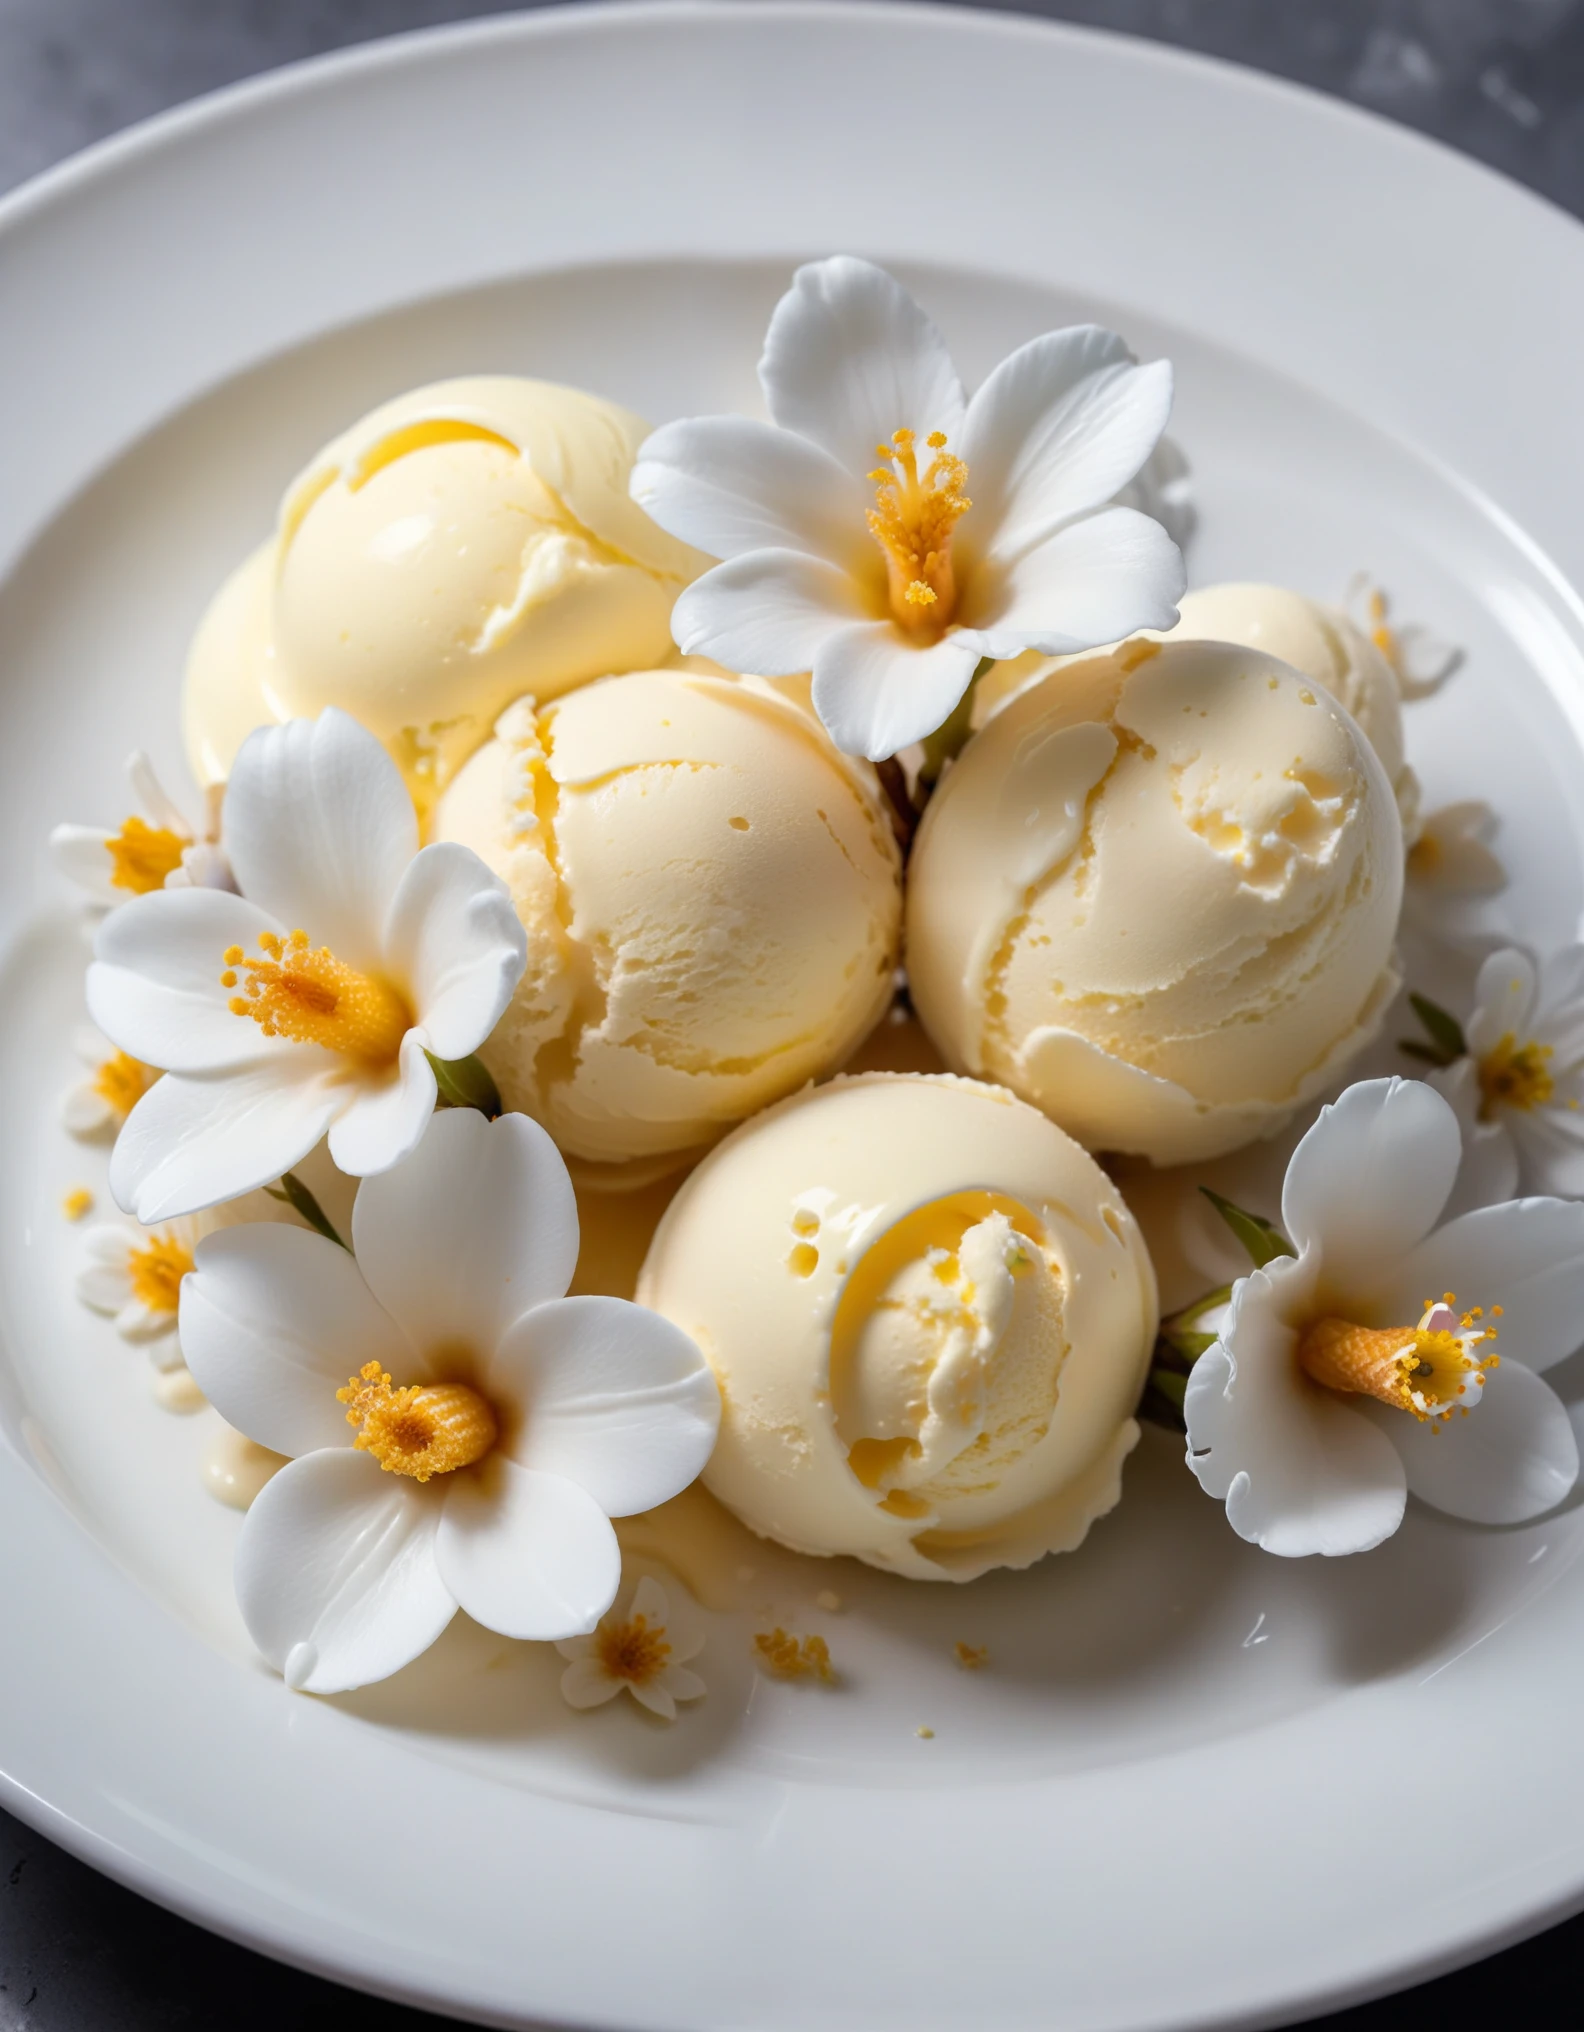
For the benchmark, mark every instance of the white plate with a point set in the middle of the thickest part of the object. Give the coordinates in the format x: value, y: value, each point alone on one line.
x: 1198, y: 1785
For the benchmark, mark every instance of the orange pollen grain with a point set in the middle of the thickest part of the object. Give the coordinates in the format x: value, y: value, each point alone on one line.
x: 789, y: 1657
x: 141, y: 856
x: 419, y: 1429
x: 157, y: 1270
x: 634, y: 1652
x: 913, y: 520
x: 1414, y: 1369
x: 303, y: 992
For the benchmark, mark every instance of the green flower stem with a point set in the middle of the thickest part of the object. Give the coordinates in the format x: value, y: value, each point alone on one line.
x: 951, y: 736
x: 293, y: 1193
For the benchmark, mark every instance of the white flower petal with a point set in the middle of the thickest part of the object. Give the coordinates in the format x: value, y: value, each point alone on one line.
x: 1512, y: 1458
x: 654, y: 1695
x: 476, y: 1228
x: 1453, y: 854
x: 154, y: 988
x: 728, y: 485
x: 104, y: 1283
x: 1368, y: 1180
x: 610, y: 1396
x: 1527, y: 1257
x: 876, y: 692
x: 767, y: 613
x: 1504, y: 1001
x: 190, y: 1143
x: 850, y: 358
x: 141, y: 1323
x: 1551, y: 1140
x: 336, y: 1574
x: 381, y: 1124
x: 275, y: 1320
x: 682, y: 1684
x: 455, y: 940
x: 1094, y: 581
x: 586, y: 1683
x: 1062, y: 425
x: 85, y: 1111
x: 649, y: 1601
x: 82, y: 853
x: 318, y: 828
x: 526, y: 1554
x: 1299, y: 1470
x: 150, y: 793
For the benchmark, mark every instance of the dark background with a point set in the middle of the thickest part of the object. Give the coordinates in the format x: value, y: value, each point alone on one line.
x: 1501, y: 79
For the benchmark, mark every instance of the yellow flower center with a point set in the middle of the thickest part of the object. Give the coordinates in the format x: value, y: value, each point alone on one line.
x: 1514, y: 1075
x: 634, y: 1651
x: 141, y: 856
x: 121, y: 1082
x: 157, y: 1270
x: 421, y: 1429
x: 1382, y: 633
x: 305, y: 993
x: 1429, y: 1370
x: 912, y: 521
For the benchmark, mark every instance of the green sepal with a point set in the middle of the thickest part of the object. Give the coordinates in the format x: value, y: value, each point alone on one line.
x: 1447, y: 1042
x: 465, y: 1083
x: 293, y: 1193
x: 951, y: 736
x: 1262, y: 1239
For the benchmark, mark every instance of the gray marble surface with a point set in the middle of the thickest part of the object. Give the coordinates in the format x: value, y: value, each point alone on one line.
x: 1502, y: 79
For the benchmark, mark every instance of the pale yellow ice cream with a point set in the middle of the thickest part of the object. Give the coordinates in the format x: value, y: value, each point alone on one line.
x: 930, y: 1314
x: 712, y: 899
x: 461, y: 546
x: 1322, y: 644
x: 1157, y: 897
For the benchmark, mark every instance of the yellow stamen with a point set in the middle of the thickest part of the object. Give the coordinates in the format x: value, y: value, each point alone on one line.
x: 421, y: 1429
x: 1514, y: 1075
x: 157, y: 1270
x: 1424, y: 1370
x: 141, y: 856
x: 121, y: 1081
x: 1382, y: 634
x: 635, y: 1651
x: 912, y: 521
x: 305, y: 993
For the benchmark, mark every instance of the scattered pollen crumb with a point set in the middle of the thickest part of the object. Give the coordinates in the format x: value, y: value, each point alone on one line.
x: 925, y: 1731
x: 788, y: 1658
x: 828, y: 1600
x: 970, y: 1656
x: 77, y: 1202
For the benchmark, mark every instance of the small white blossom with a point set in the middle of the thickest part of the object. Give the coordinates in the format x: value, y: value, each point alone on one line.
x: 1421, y: 659
x: 642, y: 1647
x: 158, y: 850
x: 113, y: 1088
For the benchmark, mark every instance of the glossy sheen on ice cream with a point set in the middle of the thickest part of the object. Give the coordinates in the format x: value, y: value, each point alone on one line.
x: 930, y: 1314
x: 712, y: 899
x: 458, y: 547
x: 1157, y: 897
x: 1322, y: 644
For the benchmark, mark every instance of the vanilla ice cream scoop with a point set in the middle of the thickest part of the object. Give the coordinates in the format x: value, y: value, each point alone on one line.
x: 1157, y: 897
x: 457, y: 548
x: 1322, y: 644
x: 930, y: 1314
x: 712, y: 898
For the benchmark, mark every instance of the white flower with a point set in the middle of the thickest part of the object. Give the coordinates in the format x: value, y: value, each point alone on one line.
x: 270, y: 1038
x: 890, y: 583
x: 141, y: 856
x: 1339, y: 1380
x: 1451, y: 856
x: 1420, y: 659
x: 113, y: 1088
x: 135, y: 1275
x: 643, y: 1648
x: 460, y: 1434
x: 1520, y: 1090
